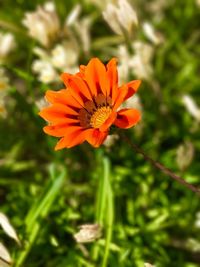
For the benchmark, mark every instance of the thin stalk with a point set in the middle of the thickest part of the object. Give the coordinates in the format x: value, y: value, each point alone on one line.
x: 101, y: 202
x: 109, y: 219
x: 159, y: 166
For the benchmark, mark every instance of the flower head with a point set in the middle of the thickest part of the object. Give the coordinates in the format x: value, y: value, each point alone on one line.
x: 121, y: 17
x: 88, y: 106
x: 43, y: 24
x: 191, y: 107
x: 7, y: 43
x: 138, y: 63
x: 88, y: 233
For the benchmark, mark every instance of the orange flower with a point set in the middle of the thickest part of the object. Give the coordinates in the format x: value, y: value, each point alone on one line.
x: 88, y: 106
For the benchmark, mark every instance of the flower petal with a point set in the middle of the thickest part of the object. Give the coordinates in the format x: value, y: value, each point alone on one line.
x: 132, y: 88
x: 96, y: 137
x: 63, y: 97
x: 60, y: 129
x: 77, y: 87
x: 96, y: 77
x: 56, y: 96
x: 121, y: 94
x: 125, y: 91
x: 82, y: 69
x: 53, y: 130
x: 75, y: 136
x: 127, y: 118
x: 58, y: 112
x: 60, y: 144
x: 104, y: 127
x: 112, y: 77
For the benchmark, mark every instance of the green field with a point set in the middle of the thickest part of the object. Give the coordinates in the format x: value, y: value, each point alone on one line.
x: 143, y: 215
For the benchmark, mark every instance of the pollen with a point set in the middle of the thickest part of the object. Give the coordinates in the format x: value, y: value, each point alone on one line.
x: 100, y: 116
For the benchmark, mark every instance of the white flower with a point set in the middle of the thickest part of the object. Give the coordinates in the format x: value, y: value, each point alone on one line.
x: 82, y: 27
x: 47, y: 73
x: 88, y: 233
x: 121, y: 17
x: 7, y: 43
x: 43, y: 24
x: 78, y: 29
x: 50, y: 7
x: 8, y: 228
x: 138, y: 63
x: 64, y: 56
x: 41, y: 53
x: 197, y: 221
x: 123, y: 66
x: 141, y: 61
x: 151, y: 34
x: 73, y: 15
x: 5, y: 258
x: 148, y: 265
x: 191, y: 107
x: 184, y: 155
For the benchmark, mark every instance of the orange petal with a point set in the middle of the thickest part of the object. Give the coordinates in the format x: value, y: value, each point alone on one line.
x: 63, y: 97
x: 104, y: 127
x: 77, y: 86
x: 121, y: 94
x: 127, y: 118
x: 81, y: 72
x: 82, y: 69
x: 61, y: 144
x: 96, y: 77
x: 96, y: 137
x: 132, y: 88
x: 78, y: 138
x: 112, y: 77
x: 68, y: 81
x: 75, y: 136
x: 51, y: 130
x: 59, y: 130
x: 125, y: 91
x: 56, y: 96
x: 58, y: 112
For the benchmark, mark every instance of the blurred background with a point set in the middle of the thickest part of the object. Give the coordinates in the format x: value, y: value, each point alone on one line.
x: 137, y: 216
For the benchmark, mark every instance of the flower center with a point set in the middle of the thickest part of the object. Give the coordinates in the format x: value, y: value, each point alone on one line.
x: 95, y: 112
x: 100, y: 116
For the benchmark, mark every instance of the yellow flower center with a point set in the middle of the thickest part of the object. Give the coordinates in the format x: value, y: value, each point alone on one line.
x: 95, y: 112
x: 100, y: 116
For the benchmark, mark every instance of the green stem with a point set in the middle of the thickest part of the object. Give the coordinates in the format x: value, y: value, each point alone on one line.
x: 109, y: 221
x: 101, y: 201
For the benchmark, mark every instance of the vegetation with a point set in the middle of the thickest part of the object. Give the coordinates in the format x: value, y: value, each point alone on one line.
x: 144, y: 215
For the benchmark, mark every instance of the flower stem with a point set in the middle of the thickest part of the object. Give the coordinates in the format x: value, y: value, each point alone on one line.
x: 159, y: 166
x: 105, y: 211
x: 109, y: 218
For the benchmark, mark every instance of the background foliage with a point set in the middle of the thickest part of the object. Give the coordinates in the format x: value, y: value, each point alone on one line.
x: 48, y: 194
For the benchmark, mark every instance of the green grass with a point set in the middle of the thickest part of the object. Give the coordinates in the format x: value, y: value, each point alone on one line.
x: 145, y: 216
